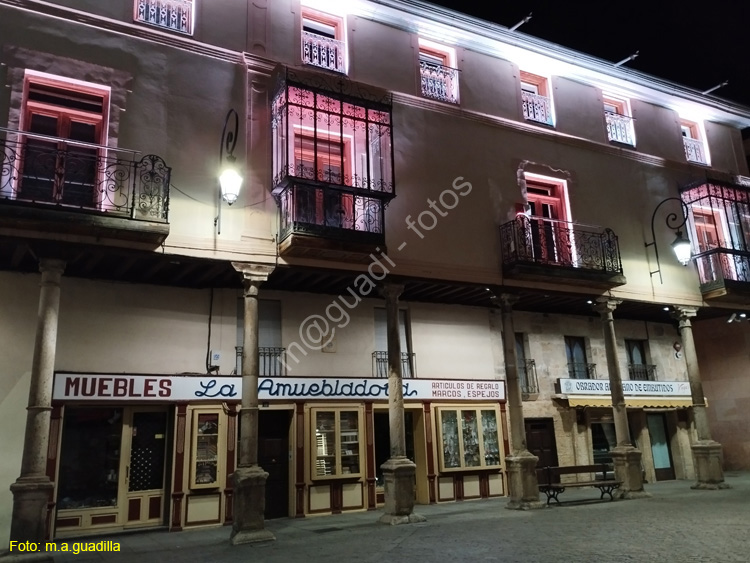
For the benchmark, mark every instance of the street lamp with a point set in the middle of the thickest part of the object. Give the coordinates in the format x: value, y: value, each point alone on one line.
x: 681, y: 244
x: 230, y: 179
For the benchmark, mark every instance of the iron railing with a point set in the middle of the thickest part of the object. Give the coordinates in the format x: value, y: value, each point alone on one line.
x: 175, y: 15
x: 536, y: 108
x: 330, y: 213
x: 694, y: 150
x: 439, y: 82
x: 380, y: 364
x: 323, y: 52
x: 271, y: 361
x: 619, y: 128
x: 537, y: 240
x: 527, y: 376
x: 718, y: 265
x: 47, y: 170
x: 642, y: 372
x: 580, y: 370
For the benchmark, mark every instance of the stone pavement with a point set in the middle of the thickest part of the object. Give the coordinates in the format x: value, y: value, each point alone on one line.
x: 676, y: 524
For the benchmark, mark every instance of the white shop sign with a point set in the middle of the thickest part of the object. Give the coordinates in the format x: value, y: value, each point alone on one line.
x: 166, y: 388
x: 629, y: 388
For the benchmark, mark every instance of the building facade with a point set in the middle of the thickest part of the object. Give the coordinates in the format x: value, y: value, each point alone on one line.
x: 388, y: 142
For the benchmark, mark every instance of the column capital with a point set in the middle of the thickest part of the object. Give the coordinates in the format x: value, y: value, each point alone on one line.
x: 52, y: 265
x: 254, y: 272
x: 606, y: 305
x: 683, y: 313
x: 506, y: 301
x: 391, y: 290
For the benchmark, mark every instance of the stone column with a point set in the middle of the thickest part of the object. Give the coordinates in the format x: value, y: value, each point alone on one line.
x: 32, y: 489
x: 523, y: 487
x: 706, y: 452
x: 627, y: 458
x: 399, y: 471
x: 249, y: 479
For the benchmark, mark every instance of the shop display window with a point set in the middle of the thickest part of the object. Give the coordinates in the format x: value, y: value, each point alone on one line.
x: 336, y: 443
x: 469, y: 438
x: 205, y: 465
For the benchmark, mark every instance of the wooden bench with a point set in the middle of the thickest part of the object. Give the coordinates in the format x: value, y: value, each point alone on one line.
x: 549, y: 480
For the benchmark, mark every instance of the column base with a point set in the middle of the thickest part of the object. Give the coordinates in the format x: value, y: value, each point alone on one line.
x: 628, y: 471
x: 708, y: 466
x: 523, y: 486
x: 31, y: 496
x: 249, y: 503
x: 399, y: 475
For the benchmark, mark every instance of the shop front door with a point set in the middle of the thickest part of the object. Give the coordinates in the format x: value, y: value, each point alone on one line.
x: 112, y: 469
x: 657, y: 430
x: 273, y: 457
x: 540, y: 440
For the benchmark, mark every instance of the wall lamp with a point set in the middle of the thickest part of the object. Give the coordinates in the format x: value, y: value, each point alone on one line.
x: 681, y: 244
x: 230, y: 179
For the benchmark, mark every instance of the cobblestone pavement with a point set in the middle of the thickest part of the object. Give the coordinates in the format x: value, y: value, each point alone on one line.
x: 676, y: 524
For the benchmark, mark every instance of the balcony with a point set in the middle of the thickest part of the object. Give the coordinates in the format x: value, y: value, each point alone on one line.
x: 578, y: 370
x: 323, y: 52
x: 527, y: 377
x: 54, y: 185
x: 694, y: 150
x: 380, y: 364
x: 271, y: 362
x: 439, y: 82
x: 174, y: 15
x: 619, y: 128
x: 540, y: 249
x: 536, y: 108
x: 642, y: 372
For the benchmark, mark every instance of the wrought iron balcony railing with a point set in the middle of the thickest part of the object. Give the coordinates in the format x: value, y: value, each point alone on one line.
x: 527, y: 377
x: 380, y: 364
x: 578, y: 370
x: 46, y: 170
x: 175, y: 15
x: 719, y: 265
x: 439, y: 82
x: 330, y: 213
x: 271, y: 361
x: 536, y: 108
x: 536, y: 240
x: 694, y: 150
x: 619, y: 128
x: 323, y: 52
x: 642, y: 372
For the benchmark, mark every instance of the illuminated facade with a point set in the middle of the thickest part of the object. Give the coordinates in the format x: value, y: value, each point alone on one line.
x: 386, y: 142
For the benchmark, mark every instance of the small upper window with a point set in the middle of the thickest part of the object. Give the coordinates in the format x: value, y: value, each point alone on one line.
x: 619, y: 121
x: 323, y: 40
x: 693, y: 140
x: 175, y: 15
x: 535, y: 99
x: 437, y: 71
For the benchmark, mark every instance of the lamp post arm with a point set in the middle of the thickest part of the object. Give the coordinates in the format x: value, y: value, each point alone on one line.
x: 673, y: 222
x: 229, y: 137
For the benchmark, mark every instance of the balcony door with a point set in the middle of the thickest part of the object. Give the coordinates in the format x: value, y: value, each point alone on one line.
x: 575, y: 351
x: 550, y: 238
x: 60, y: 159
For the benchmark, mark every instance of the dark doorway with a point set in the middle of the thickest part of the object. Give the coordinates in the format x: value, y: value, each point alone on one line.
x: 273, y: 457
x: 383, y: 440
x: 540, y: 440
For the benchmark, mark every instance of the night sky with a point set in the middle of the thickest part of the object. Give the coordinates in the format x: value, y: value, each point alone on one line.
x: 696, y: 47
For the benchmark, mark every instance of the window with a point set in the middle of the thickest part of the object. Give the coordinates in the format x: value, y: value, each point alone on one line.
x: 551, y: 234
x: 336, y: 443
x: 437, y: 71
x: 323, y: 42
x: 380, y: 355
x: 175, y: 15
x: 206, y: 463
x: 619, y: 121
x: 578, y: 366
x: 692, y: 138
x: 637, y: 365
x: 469, y: 438
x: 271, y: 353
x: 526, y: 368
x: 62, y: 156
x: 332, y: 162
x: 536, y: 100
x: 719, y: 228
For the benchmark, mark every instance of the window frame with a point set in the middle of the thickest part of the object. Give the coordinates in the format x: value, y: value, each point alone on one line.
x: 338, y: 434
x: 570, y: 356
x: 621, y: 108
x: 696, y: 133
x: 430, y: 52
x: 495, y: 455
x: 537, y: 85
x: 337, y: 23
